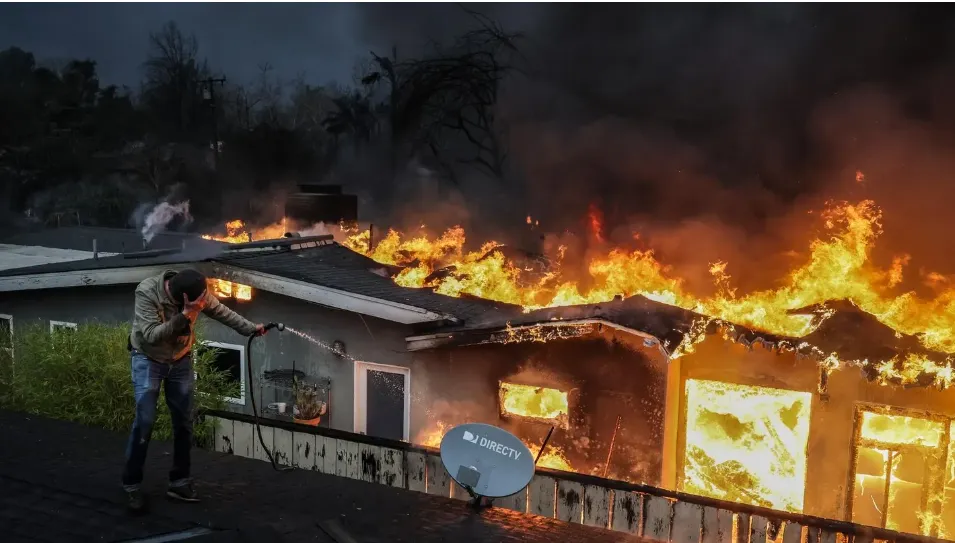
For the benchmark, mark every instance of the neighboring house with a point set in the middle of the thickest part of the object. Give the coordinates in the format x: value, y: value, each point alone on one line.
x: 739, y: 415
x: 313, y: 285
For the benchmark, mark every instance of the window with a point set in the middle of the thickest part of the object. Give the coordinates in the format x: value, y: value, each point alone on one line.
x: 382, y: 400
x: 746, y: 444
x: 6, y: 333
x: 899, y: 454
x: 231, y: 360
x: 61, y: 325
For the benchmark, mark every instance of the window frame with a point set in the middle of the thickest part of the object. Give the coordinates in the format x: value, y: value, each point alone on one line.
x: 9, y: 320
x: 243, y: 360
x: 858, y: 442
x: 361, y: 395
x: 61, y: 324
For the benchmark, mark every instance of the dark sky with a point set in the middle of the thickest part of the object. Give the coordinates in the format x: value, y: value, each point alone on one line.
x: 319, y: 39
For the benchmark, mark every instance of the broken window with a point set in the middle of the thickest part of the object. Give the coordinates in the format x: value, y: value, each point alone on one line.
x: 227, y: 289
x: 535, y: 403
x: 746, y: 444
x: 900, y: 477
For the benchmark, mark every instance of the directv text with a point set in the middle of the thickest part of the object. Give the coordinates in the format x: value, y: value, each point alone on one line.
x: 486, y: 443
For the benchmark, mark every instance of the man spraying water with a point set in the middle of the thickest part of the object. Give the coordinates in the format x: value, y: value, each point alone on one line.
x: 160, y: 344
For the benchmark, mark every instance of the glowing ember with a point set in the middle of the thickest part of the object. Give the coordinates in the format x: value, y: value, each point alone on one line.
x: 837, y: 267
x: 746, y: 444
x: 546, y: 404
x: 227, y: 289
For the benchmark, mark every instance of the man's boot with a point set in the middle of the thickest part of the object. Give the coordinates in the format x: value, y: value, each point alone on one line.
x: 136, y: 501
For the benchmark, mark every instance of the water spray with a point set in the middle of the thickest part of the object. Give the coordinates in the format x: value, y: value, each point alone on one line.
x: 255, y: 410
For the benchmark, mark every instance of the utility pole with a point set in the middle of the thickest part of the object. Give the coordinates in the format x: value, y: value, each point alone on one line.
x: 209, y: 96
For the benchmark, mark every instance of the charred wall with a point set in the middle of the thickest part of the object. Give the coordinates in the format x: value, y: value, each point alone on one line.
x: 607, y: 378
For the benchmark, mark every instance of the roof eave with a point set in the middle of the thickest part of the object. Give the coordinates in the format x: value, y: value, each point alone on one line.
x: 337, y: 299
x: 329, y: 297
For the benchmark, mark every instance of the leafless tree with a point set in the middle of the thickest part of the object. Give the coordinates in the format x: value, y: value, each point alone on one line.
x: 172, y: 73
x: 451, y: 93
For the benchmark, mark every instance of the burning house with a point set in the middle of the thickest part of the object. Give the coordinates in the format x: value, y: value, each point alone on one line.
x: 789, y: 399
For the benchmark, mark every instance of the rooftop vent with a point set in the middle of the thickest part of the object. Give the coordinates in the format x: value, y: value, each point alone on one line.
x: 315, y: 204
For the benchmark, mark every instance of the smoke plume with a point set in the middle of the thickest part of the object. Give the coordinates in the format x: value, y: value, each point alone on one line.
x: 711, y: 132
x: 161, y: 215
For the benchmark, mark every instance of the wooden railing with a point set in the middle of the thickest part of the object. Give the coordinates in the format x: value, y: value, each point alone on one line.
x: 650, y: 512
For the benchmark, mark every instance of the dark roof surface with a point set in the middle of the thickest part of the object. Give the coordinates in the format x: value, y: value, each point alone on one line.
x: 129, y: 260
x: 330, y: 266
x: 108, y: 240
x: 59, y: 484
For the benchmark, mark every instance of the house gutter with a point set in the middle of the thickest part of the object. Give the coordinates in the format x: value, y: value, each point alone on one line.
x: 483, y: 336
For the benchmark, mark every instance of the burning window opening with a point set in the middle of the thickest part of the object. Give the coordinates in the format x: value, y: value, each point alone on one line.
x: 746, y: 444
x: 903, y: 479
x: 227, y: 289
x: 541, y: 404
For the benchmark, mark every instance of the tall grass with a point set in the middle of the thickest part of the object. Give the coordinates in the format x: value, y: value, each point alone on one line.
x: 84, y: 375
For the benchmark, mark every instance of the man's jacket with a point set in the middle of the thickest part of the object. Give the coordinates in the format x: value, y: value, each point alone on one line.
x: 162, y: 332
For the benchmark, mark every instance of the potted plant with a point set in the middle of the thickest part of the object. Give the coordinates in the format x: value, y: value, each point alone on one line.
x: 308, y: 408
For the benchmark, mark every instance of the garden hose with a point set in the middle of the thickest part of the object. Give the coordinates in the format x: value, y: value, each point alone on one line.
x: 255, y: 411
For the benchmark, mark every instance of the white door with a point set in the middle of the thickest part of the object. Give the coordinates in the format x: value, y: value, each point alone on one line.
x: 383, y: 400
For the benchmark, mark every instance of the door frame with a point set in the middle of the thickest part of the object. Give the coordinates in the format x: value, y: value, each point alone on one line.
x: 361, y: 395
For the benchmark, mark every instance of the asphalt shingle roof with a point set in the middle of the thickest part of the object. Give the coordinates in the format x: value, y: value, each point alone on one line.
x: 331, y: 266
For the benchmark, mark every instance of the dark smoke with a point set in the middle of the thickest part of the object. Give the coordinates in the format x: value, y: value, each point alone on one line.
x: 714, y: 129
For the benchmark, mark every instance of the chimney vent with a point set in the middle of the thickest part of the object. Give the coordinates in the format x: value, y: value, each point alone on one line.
x: 95, y: 252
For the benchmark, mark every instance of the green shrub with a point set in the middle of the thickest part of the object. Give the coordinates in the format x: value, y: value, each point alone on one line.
x: 84, y: 375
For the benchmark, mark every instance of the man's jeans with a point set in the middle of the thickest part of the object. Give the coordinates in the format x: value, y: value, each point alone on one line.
x: 180, y: 382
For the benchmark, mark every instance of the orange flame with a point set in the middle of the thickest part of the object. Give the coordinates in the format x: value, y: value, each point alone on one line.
x: 227, y: 289
x: 837, y: 267
x: 596, y: 222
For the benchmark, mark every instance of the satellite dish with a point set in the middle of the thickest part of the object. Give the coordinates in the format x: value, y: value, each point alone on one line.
x: 486, y: 460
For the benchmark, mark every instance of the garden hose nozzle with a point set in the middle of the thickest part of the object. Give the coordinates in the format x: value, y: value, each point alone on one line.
x: 277, y: 325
